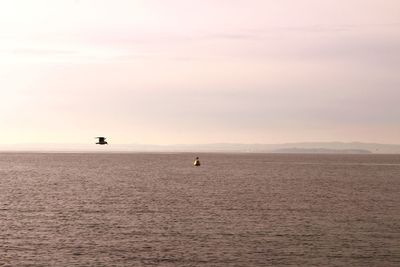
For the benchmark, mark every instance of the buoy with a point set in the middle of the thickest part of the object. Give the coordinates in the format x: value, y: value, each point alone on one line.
x: 196, y: 162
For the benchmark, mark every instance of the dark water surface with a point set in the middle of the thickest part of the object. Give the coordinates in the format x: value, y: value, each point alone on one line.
x: 234, y: 210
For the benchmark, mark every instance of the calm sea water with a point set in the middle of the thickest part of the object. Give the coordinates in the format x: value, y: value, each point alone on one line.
x: 234, y: 210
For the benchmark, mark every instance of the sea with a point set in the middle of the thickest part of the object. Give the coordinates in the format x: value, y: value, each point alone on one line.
x: 149, y: 209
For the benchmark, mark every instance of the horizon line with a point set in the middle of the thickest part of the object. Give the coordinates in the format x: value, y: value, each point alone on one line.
x: 201, y: 144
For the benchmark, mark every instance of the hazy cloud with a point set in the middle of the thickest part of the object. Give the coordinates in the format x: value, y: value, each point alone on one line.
x: 200, y: 71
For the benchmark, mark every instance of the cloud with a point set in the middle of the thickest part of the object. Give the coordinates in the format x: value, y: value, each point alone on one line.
x: 40, y: 52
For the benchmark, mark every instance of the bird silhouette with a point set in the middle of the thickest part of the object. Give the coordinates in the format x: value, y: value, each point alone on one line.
x: 102, y: 141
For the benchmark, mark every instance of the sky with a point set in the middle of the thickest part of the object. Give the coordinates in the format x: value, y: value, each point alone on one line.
x: 199, y: 71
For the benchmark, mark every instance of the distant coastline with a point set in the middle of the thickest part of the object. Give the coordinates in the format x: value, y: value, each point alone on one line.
x: 307, y: 148
x: 321, y: 151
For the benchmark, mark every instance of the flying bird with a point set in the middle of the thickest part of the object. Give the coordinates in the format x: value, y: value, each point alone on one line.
x: 102, y: 141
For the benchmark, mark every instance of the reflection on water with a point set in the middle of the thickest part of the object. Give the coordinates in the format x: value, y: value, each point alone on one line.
x: 234, y: 210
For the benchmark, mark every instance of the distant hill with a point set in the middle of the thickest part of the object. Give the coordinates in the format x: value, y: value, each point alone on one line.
x: 338, y: 147
x: 311, y: 147
x: 321, y: 151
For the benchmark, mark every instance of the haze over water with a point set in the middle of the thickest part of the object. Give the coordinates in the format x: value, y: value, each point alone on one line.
x: 234, y: 210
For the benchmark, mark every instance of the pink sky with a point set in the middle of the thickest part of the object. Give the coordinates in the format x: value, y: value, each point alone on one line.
x: 166, y: 72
